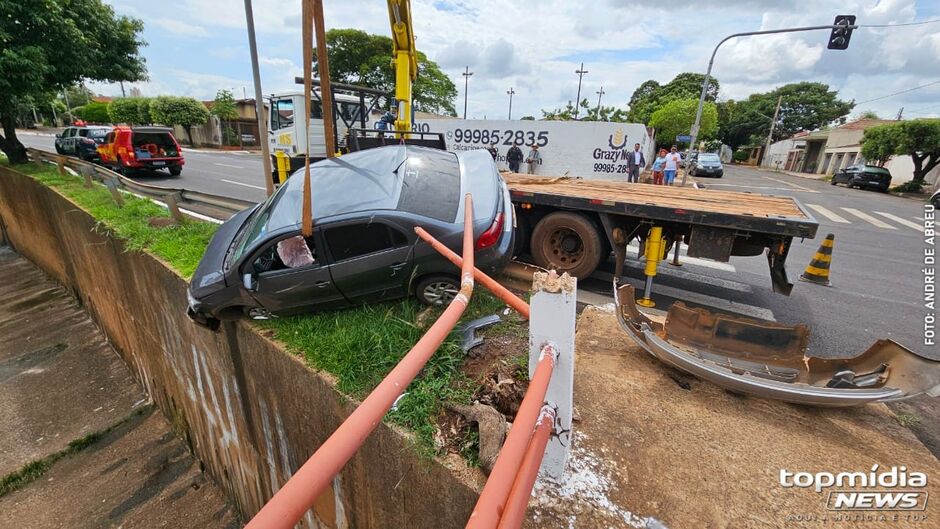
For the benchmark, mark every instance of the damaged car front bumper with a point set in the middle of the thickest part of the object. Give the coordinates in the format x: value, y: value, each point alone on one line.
x: 768, y: 359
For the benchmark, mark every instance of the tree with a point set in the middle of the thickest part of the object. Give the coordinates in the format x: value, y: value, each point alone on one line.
x: 39, y: 53
x: 357, y: 57
x: 650, y: 96
x: 676, y: 118
x: 93, y: 112
x: 223, y: 107
x: 586, y: 113
x: 918, y: 138
x: 804, y: 106
x: 130, y: 110
x: 183, y: 111
x: 563, y: 114
x: 527, y: 118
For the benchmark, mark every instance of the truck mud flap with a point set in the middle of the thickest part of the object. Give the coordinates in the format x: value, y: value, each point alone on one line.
x: 768, y: 359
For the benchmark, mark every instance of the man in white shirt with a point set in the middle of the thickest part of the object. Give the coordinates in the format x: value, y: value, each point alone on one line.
x: 635, y: 163
x: 673, y: 159
x: 534, y: 158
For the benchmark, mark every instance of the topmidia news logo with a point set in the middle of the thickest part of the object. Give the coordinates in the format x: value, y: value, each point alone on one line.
x: 894, y: 489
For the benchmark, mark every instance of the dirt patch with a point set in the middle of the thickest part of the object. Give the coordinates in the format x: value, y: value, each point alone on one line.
x: 651, y: 449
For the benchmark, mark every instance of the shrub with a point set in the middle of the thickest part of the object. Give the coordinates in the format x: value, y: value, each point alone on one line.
x: 912, y: 186
x: 740, y: 156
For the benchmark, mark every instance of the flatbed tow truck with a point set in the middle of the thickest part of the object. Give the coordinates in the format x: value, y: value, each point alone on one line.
x: 570, y: 224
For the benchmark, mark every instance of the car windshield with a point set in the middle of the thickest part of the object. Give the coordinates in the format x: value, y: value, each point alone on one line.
x: 708, y: 157
x: 98, y: 133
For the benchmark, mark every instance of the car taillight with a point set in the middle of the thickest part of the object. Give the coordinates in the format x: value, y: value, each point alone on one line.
x: 491, y: 235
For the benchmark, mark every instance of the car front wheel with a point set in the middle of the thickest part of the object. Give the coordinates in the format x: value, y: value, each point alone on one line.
x: 437, y: 290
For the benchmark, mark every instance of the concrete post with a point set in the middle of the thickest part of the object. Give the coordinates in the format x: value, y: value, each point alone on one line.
x: 552, y: 321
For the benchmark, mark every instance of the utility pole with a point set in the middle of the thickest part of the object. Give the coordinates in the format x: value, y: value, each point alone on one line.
x: 68, y: 106
x: 510, y: 92
x: 259, y: 102
x: 773, y: 124
x: 600, y: 93
x: 122, y: 89
x: 711, y: 62
x: 466, y: 78
x: 577, y: 104
x: 900, y: 113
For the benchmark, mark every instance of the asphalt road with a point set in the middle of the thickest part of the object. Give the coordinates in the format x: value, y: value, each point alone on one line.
x: 877, y: 283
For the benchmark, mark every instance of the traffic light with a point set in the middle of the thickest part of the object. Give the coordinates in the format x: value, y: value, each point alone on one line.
x: 839, y: 39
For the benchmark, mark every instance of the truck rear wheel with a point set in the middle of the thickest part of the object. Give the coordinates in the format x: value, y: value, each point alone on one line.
x: 567, y: 242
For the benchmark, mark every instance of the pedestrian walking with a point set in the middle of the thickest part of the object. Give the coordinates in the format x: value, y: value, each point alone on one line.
x: 635, y: 163
x: 658, y: 165
x: 673, y: 159
x: 494, y: 151
x: 534, y: 158
x: 514, y: 158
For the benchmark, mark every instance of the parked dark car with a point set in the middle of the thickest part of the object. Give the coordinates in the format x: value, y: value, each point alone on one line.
x: 364, y: 248
x: 864, y: 176
x: 82, y: 141
x: 706, y: 164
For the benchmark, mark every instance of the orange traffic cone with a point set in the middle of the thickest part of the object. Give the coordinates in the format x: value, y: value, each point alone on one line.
x: 818, y: 269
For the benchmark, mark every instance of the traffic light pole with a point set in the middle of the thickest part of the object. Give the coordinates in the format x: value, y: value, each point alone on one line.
x: 711, y: 62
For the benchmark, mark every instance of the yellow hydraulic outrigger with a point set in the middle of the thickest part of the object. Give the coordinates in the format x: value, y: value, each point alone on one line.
x: 404, y: 59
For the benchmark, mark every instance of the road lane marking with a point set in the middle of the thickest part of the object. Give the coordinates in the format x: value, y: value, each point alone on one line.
x: 903, y: 222
x: 831, y: 215
x: 766, y: 188
x: 241, y: 184
x: 227, y: 165
x: 671, y: 271
x: 784, y: 182
x: 699, y: 299
x: 868, y: 218
x: 727, y: 267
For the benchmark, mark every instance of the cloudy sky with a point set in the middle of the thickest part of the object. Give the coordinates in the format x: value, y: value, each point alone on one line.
x: 196, y: 47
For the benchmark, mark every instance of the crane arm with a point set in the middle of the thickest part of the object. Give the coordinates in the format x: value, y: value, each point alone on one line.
x: 405, y: 59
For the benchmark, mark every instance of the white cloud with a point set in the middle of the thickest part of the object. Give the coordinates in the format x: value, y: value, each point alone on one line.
x: 179, y: 27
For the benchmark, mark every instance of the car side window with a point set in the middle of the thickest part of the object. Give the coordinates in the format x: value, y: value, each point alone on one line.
x: 354, y: 240
x: 83, y: 132
x: 288, y: 253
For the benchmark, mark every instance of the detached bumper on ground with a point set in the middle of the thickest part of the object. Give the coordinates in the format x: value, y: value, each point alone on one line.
x: 767, y: 359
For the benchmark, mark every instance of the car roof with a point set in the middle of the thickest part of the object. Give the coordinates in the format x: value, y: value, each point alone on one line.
x: 361, y: 181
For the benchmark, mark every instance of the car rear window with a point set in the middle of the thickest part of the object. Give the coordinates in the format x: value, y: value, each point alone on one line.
x: 353, y: 240
x: 430, y: 184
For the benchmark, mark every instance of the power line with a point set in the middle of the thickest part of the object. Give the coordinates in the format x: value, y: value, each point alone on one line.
x: 897, y: 93
x: 922, y: 22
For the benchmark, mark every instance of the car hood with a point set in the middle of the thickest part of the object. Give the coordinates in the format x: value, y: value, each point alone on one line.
x: 209, y: 275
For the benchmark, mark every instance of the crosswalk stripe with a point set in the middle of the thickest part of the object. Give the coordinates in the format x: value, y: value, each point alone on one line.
x: 903, y: 222
x: 829, y: 214
x: 868, y: 218
x: 727, y: 267
x: 699, y: 299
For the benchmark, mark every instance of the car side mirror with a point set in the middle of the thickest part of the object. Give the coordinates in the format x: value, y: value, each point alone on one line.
x: 249, y: 282
x: 59, y: 135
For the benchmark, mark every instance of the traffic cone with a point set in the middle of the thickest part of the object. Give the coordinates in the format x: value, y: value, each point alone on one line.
x: 818, y: 269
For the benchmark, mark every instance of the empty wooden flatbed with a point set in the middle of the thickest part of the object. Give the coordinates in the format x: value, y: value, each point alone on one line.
x: 565, y: 222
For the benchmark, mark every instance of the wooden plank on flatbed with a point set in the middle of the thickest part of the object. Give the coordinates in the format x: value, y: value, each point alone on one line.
x: 673, y: 197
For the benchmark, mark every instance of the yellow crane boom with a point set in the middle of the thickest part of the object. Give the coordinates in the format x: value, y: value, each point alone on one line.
x: 404, y: 59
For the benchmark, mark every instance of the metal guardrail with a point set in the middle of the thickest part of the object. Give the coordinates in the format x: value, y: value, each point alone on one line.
x: 215, y: 206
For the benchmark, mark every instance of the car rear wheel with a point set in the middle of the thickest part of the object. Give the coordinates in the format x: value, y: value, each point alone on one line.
x: 175, y: 171
x: 567, y: 242
x: 437, y: 290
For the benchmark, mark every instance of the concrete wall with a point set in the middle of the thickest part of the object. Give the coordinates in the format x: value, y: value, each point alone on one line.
x: 251, y: 412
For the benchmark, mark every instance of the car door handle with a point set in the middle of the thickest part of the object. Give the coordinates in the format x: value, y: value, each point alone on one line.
x: 398, y: 266
x: 322, y: 284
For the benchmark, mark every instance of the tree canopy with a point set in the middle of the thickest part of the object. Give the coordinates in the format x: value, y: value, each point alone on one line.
x: 93, y: 112
x: 805, y: 106
x: 918, y: 138
x: 183, y: 111
x: 651, y: 95
x: 586, y: 113
x: 223, y: 107
x: 676, y: 117
x: 359, y: 58
x: 130, y: 110
x: 46, y: 45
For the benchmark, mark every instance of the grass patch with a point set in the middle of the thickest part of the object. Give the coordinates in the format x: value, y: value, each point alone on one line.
x: 181, y: 246
x: 908, y: 420
x: 35, y: 469
x: 360, y: 346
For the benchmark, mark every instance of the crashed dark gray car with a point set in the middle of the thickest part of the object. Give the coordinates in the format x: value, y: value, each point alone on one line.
x: 364, y: 248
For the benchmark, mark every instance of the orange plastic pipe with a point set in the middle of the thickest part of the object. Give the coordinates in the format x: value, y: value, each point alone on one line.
x: 492, y: 501
x: 518, y: 501
x: 301, y: 491
x: 514, y: 301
